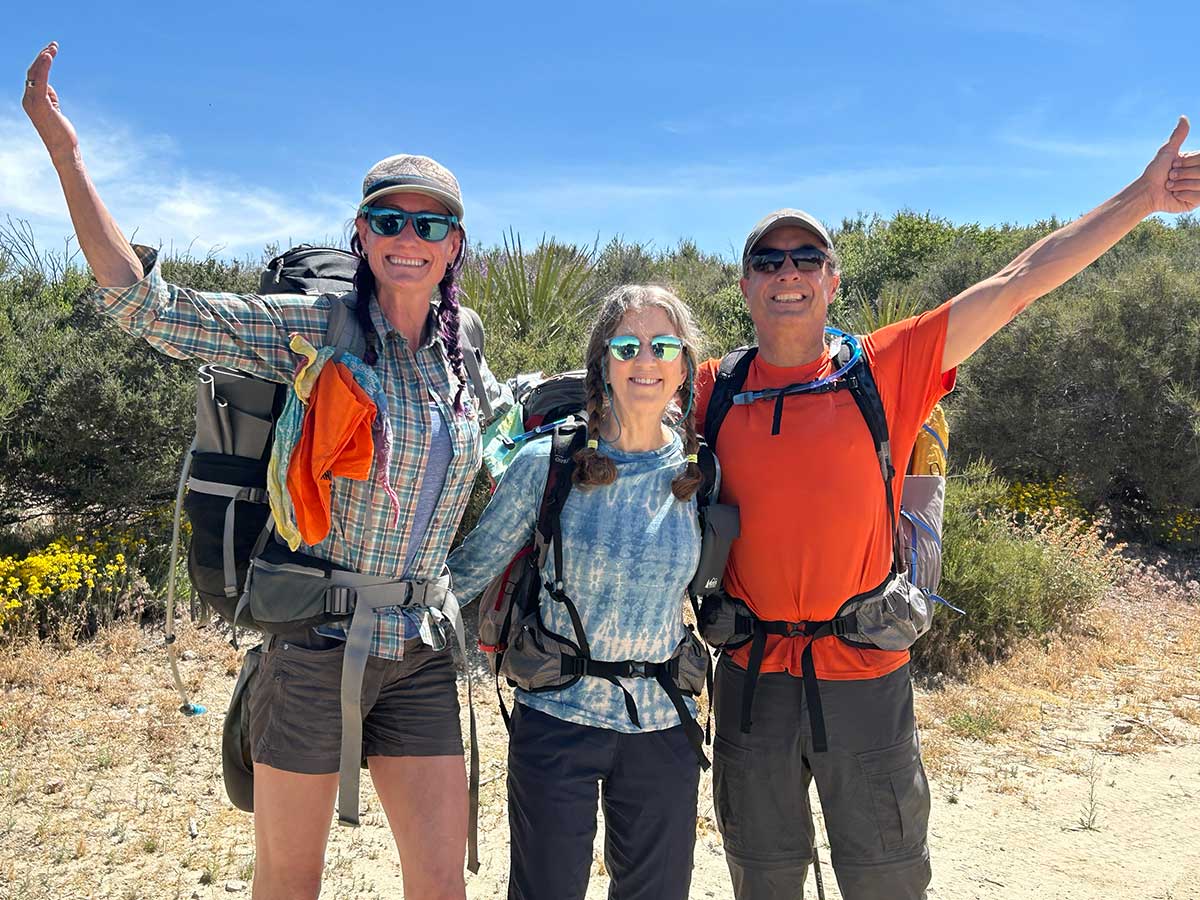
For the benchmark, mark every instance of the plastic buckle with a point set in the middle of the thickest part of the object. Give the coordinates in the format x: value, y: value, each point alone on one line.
x: 796, y: 629
x: 341, y: 601
x: 637, y: 670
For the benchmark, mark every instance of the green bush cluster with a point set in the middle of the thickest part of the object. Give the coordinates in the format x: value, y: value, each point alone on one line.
x: 1096, y: 387
x: 1015, y: 576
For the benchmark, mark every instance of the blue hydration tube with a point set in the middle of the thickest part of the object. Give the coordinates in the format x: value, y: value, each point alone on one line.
x: 838, y: 337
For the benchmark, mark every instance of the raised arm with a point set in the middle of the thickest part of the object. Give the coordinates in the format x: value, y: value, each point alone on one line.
x: 244, y: 331
x: 1171, y: 183
x: 108, y: 253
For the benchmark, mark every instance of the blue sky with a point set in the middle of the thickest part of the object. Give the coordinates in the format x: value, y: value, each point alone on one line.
x: 218, y: 126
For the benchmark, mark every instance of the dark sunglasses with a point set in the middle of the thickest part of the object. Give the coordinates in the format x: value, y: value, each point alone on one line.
x: 625, y: 347
x: 807, y: 259
x: 389, y: 222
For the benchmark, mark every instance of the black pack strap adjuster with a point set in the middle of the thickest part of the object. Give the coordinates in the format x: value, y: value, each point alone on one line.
x: 626, y: 668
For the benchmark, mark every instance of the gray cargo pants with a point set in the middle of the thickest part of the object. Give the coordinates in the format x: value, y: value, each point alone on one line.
x: 871, y: 783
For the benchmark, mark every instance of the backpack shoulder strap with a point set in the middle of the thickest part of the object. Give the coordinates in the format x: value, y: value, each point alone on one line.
x: 865, y: 392
x: 565, y: 441
x: 343, y: 330
x: 470, y: 340
x: 731, y: 375
x: 707, y: 461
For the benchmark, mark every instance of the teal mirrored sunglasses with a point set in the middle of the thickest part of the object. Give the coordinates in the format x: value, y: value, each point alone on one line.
x: 625, y: 347
x: 388, y: 222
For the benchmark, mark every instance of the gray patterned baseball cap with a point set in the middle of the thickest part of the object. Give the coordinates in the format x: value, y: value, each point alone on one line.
x: 779, y: 219
x: 416, y: 174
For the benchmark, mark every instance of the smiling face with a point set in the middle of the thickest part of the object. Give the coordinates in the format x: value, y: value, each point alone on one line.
x: 404, y: 265
x: 789, y: 306
x: 643, y: 386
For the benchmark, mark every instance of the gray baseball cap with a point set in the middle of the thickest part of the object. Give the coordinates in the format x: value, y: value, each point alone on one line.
x: 779, y: 219
x: 415, y: 174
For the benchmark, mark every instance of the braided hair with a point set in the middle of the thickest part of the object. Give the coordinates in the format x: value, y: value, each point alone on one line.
x: 593, y: 468
x: 447, y: 309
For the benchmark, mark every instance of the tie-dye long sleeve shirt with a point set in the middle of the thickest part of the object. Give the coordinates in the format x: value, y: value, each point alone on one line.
x: 251, y: 333
x: 629, y: 550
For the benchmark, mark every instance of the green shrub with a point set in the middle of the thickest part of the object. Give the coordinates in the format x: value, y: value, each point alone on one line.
x: 1015, y: 581
x: 1099, y: 382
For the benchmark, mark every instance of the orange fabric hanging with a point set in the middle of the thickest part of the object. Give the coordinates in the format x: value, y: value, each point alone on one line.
x: 335, y: 439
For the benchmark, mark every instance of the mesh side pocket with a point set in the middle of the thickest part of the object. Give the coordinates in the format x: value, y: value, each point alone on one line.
x: 206, y: 513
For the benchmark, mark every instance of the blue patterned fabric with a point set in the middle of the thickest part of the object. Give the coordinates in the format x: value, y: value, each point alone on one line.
x: 629, y: 550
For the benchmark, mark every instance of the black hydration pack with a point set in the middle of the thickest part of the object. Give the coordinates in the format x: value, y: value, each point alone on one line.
x: 519, y: 646
x: 890, y: 616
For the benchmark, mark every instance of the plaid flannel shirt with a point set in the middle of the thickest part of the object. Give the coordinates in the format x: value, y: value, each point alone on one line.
x: 251, y: 332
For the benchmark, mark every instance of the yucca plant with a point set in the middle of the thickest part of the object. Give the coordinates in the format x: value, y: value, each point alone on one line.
x: 545, y: 291
x: 862, y: 315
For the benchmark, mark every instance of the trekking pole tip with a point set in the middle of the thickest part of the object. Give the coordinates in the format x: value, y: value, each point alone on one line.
x: 192, y: 709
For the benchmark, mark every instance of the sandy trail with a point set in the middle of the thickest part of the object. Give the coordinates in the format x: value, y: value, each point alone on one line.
x: 106, y: 792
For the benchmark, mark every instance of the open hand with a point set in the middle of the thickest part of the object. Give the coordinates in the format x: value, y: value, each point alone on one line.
x: 1172, y: 179
x: 40, y: 103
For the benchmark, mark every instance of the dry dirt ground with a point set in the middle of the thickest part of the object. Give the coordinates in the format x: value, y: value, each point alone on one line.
x: 1070, y: 771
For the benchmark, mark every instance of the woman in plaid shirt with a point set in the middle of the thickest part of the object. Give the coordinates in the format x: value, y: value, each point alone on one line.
x: 411, y: 735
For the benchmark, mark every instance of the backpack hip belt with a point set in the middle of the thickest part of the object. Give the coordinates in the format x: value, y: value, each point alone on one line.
x: 667, y: 674
x: 890, y: 616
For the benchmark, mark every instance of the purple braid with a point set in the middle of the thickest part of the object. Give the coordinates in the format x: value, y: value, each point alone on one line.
x: 449, y: 326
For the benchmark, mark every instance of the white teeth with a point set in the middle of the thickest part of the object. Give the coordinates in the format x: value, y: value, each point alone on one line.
x: 646, y: 380
x: 404, y: 261
x: 788, y: 298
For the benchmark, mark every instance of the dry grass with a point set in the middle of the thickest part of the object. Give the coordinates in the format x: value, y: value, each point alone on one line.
x: 1125, y: 684
x: 107, y: 791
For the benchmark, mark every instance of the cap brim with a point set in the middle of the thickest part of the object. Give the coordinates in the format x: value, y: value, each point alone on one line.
x: 445, y: 198
x: 796, y: 222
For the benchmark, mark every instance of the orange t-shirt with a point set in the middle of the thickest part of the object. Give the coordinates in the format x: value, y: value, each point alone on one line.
x: 814, y: 517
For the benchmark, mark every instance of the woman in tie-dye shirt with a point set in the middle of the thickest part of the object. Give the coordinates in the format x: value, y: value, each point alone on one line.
x: 630, y: 543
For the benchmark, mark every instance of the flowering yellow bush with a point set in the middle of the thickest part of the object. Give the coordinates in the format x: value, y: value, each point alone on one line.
x: 1171, y: 527
x: 1176, y: 527
x: 67, y: 578
x: 1027, y: 498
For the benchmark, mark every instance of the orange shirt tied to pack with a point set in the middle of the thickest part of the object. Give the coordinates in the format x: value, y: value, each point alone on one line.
x: 335, y: 439
x: 814, y: 518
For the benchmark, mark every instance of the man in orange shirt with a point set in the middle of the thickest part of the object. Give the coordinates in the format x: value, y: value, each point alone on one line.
x: 817, y: 531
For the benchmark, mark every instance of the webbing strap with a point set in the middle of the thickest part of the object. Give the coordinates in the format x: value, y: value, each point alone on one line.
x: 758, y: 645
x: 219, y: 489
x: 228, y: 561
x: 691, y: 727
x: 814, y: 631
x: 186, y: 705
x: 452, y: 611
x: 369, y: 597
x: 812, y: 694
x: 476, y: 378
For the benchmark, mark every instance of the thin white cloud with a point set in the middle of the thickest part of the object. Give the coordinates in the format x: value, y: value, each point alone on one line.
x: 1079, y: 149
x: 150, y: 190
x: 664, y: 204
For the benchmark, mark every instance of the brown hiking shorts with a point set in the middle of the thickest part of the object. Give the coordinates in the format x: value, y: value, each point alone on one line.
x: 410, y: 706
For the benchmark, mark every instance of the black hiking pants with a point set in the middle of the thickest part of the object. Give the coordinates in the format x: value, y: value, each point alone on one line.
x: 646, y: 784
x: 870, y: 781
